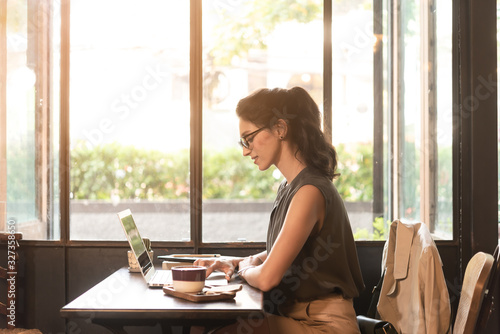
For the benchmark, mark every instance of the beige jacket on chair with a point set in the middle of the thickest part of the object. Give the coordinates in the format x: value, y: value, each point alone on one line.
x: 414, y: 296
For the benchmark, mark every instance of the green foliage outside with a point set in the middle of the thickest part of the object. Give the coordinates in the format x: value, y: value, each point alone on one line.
x: 229, y: 175
x: 21, y: 179
x: 238, y: 34
x: 114, y: 171
x: 355, y: 165
x: 249, y: 27
x: 124, y: 172
x: 380, y: 231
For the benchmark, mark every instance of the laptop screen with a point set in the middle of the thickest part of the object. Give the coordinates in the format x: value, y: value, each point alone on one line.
x: 135, y: 240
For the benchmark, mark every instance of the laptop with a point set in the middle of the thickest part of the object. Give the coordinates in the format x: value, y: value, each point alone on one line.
x: 154, y: 278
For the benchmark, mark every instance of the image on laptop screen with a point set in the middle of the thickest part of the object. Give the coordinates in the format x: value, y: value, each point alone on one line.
x: 136, y: 242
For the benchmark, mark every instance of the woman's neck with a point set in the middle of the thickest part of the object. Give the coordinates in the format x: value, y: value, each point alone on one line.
x: 291, y: 165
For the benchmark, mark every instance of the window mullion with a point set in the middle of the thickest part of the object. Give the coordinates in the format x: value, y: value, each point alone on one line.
x: 378, y: 111
x: 327, y: 70
x: 64, y: 154
x: 39, y: 61
x: 196, y: 101
x: 428, y: 156
x: 396, y: 109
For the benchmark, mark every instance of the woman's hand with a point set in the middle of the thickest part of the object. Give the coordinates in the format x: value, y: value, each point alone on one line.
x: 252, y: 260
x: 227, y: 266
x: 248, y: 263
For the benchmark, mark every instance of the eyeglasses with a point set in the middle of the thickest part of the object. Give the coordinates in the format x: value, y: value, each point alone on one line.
x: 246, y: 140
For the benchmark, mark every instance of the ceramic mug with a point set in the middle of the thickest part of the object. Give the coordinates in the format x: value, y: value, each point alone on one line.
x: 188, y: 279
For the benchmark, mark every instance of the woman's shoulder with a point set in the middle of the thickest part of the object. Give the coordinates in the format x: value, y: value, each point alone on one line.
x: 319, y: 180
x: 310, y: 175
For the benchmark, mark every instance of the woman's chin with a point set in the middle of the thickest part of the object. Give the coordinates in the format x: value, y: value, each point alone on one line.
x: 263, y: 167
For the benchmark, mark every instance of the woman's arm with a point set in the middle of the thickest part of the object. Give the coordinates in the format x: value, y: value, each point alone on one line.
x: 305, y: 215
x: 262, y: 256
x: 229, y: 265
x: 253, y: 260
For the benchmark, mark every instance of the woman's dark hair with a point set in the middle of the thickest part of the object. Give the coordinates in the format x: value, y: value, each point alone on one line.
x: 296, y: 107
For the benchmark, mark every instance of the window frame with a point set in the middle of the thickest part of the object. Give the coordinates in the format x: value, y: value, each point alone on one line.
x: 39, y: 59
x: 39, y: 25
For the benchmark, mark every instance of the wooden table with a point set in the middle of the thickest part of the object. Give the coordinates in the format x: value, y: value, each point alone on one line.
x: 124, y: 299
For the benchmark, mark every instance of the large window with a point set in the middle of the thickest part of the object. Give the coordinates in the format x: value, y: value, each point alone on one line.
x: 419, y: 114
x: 392, y: 113
x: 152, y: 90
x: 129, y: 116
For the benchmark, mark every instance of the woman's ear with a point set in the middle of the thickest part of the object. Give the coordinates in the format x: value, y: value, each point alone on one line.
x: 281, y: 128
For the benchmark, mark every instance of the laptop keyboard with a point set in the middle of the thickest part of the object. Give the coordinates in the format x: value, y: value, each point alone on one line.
x: 161, y: 277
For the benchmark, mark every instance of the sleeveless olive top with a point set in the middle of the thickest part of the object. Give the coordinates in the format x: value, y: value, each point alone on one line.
x: 328, y: 262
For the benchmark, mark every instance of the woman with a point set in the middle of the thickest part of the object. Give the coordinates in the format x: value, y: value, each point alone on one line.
x: 310, y: 265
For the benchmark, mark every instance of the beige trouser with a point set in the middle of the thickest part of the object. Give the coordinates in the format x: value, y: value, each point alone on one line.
x: 329, y: 314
